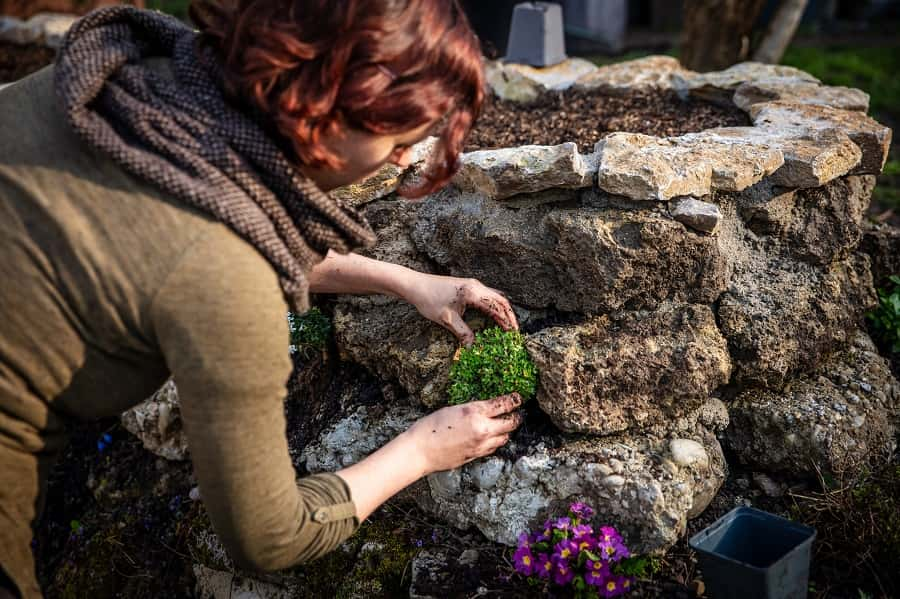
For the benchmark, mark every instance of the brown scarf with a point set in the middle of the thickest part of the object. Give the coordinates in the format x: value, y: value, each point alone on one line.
x: 185, y: 137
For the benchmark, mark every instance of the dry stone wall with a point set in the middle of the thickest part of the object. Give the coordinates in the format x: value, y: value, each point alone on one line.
x: 667, y: 287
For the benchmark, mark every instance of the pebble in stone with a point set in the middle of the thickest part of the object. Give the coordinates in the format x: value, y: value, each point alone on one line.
x: 686, y: 452
x: 696, y: 214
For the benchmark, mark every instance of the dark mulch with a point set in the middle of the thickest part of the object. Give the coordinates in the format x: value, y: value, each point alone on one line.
x: 586, y: 116
x: 17, y: 61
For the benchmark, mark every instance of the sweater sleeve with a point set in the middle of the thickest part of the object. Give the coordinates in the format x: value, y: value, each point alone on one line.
x: 221, y: 322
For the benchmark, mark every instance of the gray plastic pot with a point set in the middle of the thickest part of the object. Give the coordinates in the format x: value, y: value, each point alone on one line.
x: 752, y: 554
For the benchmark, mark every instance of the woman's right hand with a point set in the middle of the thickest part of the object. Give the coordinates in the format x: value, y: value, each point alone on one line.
x: 455, y: 435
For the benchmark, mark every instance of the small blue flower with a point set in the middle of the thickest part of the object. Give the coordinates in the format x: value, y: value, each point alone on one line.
x: 107, y: 438
x: 419, y: 543
x: 101, y: 446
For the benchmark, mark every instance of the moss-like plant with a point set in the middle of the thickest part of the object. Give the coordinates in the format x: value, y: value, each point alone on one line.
x: 309, y: 331
x: 496, y: 364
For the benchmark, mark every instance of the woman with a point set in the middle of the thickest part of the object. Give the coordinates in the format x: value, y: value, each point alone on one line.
x: 163, y: 207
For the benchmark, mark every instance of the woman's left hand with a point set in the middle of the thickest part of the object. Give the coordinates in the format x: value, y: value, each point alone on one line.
x: 444, y: 300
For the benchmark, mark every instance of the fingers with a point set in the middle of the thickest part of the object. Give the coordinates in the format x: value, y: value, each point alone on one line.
x: 505, y: 424
x: 456, y: 325
x: 498, y: 405
x: 492, y: 302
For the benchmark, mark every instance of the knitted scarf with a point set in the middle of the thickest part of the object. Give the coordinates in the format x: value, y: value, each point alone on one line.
x: 186, y: 138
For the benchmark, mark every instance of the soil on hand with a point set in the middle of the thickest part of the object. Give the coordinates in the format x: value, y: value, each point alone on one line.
x: 17, y: 61
x: 586, y: 116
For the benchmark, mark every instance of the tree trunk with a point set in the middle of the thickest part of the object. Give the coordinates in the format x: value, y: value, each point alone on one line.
x: 716, y: 33
x: 781, y: 31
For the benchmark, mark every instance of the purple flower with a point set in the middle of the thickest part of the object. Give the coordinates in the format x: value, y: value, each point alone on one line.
x: 581, y: 510
x: 585, y: 541
x: 419, y: 543
x: 615, y: 586
x: 546, y: 532
x: 596, y: 572
x: 544, y: 566
x: 608, y: 533
x: 524, y: 540
x: 613, y: 550
x: 524, y: 561
x: 562, y: 572
x: 562, y: 523
x: 566, y: 549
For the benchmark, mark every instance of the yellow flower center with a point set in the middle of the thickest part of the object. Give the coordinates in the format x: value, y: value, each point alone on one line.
x: 565, y: 553
x: 548, y: 566
x: 626, y: 584
x: 583, y: 545
x: 526, y: 560
x: 610, y: 550
x: 598, y: 566
x: 611, y: 586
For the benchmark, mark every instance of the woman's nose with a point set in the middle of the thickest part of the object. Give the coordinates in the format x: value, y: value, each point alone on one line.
x: 402, y: 158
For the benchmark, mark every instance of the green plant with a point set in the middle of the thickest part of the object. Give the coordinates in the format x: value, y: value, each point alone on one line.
x: 309, y: 331
x: 496, y: 364
x: 886, y: 317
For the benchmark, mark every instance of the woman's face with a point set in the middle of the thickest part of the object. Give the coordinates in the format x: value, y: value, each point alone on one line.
x: 364, y: 153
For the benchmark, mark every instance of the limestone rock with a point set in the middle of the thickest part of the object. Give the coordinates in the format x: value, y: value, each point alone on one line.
x: 390, y: 338
x: 872, y: 138
x: 650, y: 500
x: 216, y: 584
x: 719, y: 86
x: 696, y: 214
x: 157, y: 423
x: 44, y: 28
x: 882, y: 244
x: 649, y: 72
x: 634, y: 372
x: 392, y: 220
x: 524, y: 83
x: 580, y: 257
x: 502, y: 173
x: 786, y: 317
x: 819, y: 225
x: 798, y: 91
x: 811, y: 157
x: 642, y: 167
x: 388, y: 178
x: 841, y: 417
x: 354, y: 437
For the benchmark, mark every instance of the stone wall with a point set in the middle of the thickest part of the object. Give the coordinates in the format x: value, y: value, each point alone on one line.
x: 667, y: 286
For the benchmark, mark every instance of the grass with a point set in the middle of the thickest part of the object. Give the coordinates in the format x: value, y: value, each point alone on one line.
x: 873, y: 70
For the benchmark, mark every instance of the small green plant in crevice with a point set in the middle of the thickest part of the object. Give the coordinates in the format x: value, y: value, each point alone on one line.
x: 496, y: 364
x: 309, y: 331
x: 886, y: 317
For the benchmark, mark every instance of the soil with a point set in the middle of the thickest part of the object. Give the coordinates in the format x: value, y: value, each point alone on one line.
x: 17, y: 61
x: 586, y: 116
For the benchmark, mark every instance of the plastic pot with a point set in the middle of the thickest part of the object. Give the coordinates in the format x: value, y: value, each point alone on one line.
x: 748, y: 553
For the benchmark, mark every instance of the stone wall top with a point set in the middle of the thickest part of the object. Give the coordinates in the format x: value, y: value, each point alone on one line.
x: 803, y: 134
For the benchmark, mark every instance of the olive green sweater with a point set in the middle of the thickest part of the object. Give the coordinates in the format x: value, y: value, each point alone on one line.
x: 107, y: 287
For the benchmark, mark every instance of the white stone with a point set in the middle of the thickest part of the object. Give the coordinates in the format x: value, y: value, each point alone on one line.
x: 686, y: 452
x: 499, y: 174
x: 354, y: 437
x: 696, y: 214
x: 157, y: 423
x: 800, y: 92
x: 643, y: 167
x: 524, y: 83
x: 43, y: 28
x: 649, y: 72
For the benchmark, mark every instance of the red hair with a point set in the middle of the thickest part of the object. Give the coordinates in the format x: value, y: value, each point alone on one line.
x: 316, y: 67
